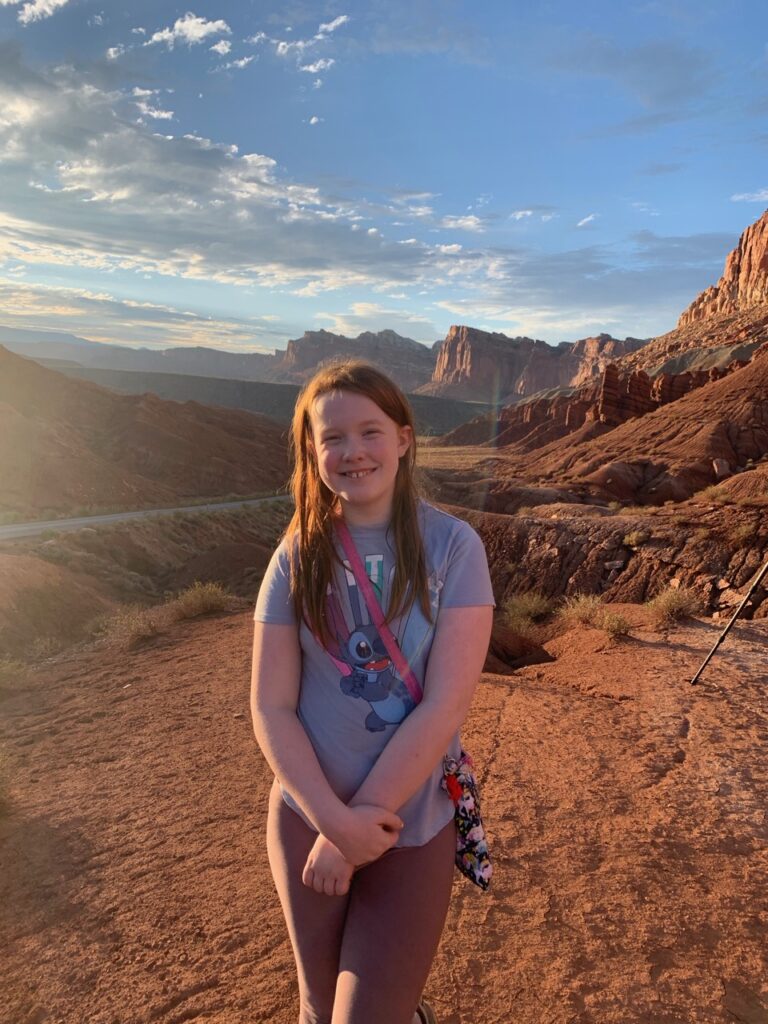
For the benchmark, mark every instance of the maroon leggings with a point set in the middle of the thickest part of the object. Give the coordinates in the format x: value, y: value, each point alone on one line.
x: 362, y: 958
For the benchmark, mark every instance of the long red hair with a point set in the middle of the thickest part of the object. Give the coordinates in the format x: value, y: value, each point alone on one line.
x: 309, y: 534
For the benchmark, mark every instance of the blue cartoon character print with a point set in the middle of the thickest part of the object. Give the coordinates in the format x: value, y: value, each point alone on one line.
x: 367, y: 672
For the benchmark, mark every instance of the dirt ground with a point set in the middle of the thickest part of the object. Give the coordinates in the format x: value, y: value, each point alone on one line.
x: 627, y: 812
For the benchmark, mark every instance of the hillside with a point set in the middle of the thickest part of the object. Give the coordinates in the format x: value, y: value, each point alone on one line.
x: 67, y: 444
x: 626, y: 812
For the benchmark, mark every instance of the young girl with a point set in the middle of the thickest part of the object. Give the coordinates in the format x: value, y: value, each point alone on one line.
x: 360, y: 834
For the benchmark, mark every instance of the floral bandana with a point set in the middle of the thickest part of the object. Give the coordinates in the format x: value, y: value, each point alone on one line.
x: 472, y: 856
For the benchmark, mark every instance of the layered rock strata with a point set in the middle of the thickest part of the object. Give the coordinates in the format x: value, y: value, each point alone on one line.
x: 744, y: 283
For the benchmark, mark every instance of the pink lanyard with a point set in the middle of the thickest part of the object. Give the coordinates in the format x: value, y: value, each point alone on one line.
x: 374, y: 610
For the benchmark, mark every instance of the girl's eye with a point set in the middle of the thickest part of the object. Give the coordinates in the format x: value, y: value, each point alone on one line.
x: 368, y: 433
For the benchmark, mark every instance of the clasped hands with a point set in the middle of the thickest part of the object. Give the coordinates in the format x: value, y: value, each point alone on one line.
x: 363, y: 834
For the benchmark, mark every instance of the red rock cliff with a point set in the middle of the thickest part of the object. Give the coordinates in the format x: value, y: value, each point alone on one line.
x: 744, y: 283
x: 474, y: 364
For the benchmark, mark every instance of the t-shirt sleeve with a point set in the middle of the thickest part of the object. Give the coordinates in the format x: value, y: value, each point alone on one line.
x: 467, y: 579
x: 274, y: 603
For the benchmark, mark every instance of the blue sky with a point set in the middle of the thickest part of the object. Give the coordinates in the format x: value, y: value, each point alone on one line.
x: 232, y: 174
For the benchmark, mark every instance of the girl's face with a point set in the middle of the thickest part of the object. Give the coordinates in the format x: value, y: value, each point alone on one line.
x: 358, y: 449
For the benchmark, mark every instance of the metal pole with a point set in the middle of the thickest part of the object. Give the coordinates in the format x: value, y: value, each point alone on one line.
x: 735, y: 615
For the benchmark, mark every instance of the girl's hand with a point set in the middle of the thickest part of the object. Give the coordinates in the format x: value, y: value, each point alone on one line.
x: 326, y: 870
x: 365, y: 832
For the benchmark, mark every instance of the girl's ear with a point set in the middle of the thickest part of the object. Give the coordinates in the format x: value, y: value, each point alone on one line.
x: 404, y: 440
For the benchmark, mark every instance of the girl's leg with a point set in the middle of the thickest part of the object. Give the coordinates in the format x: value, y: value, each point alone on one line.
x: 315, y: 921
x: 396, y: 913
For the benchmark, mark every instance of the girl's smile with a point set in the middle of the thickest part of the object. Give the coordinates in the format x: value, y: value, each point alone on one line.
x: 358, y: 450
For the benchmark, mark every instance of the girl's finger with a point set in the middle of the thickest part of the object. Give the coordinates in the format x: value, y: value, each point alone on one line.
x: 329, y: 886
x: 307, y: 876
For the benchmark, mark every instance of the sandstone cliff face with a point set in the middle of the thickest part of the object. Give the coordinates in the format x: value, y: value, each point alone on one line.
x: 744, y: 283
x: 474, y: 364
x: 409, y: 362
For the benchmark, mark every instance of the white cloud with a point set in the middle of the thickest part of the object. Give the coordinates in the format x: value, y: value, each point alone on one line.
x: 320, y: 65
x: 190, y: 30
x: 260, y: 37
x: 450, y: 250
x: 139, y: 31
x: 331, y: 26
x: 760, y: 196
x: 243, y: 62
x: 520, y: 214
x: 37, y: 9
x: 154, y: 112
x: 112, y: 195
x: 222, y: 47
x: 586, y: 220
x: 469, y: 222
x: 317, y: 83
x: 99, y: 316
x: 96, y: 19
x: 115, y: 51
x: 370, y: 316
x: 315, y: 119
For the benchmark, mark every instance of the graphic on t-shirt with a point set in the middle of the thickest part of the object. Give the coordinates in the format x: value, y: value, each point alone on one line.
x: 367, y: 672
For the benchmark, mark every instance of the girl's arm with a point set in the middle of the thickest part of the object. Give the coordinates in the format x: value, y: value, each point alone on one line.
x: 420, y: 742
x: 275, y: 679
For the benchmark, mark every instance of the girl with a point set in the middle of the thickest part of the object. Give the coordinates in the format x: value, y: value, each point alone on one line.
x: 360, y: 833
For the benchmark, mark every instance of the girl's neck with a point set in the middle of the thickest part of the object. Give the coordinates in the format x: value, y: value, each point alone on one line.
x: 367, y: 518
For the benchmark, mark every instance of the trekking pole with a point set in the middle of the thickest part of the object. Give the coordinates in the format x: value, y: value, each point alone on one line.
x: 735, y: 615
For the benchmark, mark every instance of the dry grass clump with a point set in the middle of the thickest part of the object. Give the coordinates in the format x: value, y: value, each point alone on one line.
x: 674, y: 603
x: 134, y: 624
x: 635, y: 538
x: 200, y: 599
x: 589, y: 610
x: 712, y: 493
x: 581, y: 609
x: 615, y: 625
x: 741, y: 535
x: 522, y: 611
x: 11, y: 673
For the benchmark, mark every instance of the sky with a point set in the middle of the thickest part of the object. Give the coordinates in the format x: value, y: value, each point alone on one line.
x: 232, y: 174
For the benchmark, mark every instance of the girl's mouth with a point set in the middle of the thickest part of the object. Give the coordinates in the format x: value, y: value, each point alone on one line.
x: 356, y: 474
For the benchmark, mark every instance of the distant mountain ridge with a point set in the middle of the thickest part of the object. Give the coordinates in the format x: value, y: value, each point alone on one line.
x: 469, y: 364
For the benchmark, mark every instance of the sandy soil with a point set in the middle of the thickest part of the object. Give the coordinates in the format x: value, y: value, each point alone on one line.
x: 627, y: 811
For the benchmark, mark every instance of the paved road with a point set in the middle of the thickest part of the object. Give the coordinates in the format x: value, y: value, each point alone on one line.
x: 16, y: 530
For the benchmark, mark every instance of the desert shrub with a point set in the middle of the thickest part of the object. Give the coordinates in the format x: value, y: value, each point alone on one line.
x: 200, y: 599
x: 615, y: 506
x: 130, y: 626
x: 701, y: 534
x: 712, y: 493
x: 614, y: 625
x: 524, y: 510
x: 741, y: 535
x: 635, y: 538
x: 584, y: 609
x: 674, y: 603
x: 11, y: 673
x: 520, y: 612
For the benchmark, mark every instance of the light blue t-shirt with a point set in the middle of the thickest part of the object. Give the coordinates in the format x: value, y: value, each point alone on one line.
x: 351, y: 697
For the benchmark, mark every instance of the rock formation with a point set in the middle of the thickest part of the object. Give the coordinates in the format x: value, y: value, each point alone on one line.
x: 409, y: 362
x: 474, y: 364
x: 744, y: 283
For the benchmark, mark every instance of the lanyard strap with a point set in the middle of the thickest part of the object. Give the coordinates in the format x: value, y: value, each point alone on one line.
x: 374, y: 610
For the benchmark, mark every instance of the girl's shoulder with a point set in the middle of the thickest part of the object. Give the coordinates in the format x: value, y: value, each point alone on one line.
x: 437, y: 520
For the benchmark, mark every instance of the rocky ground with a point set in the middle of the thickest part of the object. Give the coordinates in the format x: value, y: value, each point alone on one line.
x: 627, y: 811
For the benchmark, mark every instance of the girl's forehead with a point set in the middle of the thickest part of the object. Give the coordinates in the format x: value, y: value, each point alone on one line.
x: 344, y: 406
